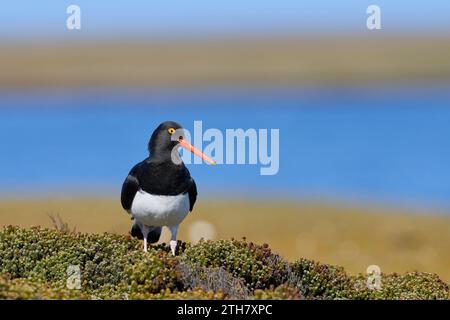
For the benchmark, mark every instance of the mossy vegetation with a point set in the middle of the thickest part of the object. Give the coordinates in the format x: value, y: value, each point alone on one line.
x: 34, y: 265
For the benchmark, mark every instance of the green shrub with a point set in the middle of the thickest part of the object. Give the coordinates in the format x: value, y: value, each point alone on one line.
x: 194, y: 294
x: 25, y: 289
x: 212, y: 280
x: 152, y: 272
x: 256, y: 265
x: 324, y: 281
x: 107, y: 262
x: 34, y: 262
x: 282, y: 292
x: 410, y: 286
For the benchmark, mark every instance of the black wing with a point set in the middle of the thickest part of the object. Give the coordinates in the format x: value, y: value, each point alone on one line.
x: 192, y: 194
x: 129, y: 189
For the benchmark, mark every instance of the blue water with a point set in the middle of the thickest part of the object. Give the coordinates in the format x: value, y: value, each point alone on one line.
x: 381, y: 144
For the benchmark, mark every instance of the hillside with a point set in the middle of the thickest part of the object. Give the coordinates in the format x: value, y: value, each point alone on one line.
x: 350, y: 236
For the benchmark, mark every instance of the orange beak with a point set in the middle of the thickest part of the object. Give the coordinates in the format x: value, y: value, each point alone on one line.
x: 195, y: 151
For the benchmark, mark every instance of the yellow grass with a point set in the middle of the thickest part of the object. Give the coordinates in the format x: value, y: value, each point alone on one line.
x: 247, y: 61
x: 349, y: 236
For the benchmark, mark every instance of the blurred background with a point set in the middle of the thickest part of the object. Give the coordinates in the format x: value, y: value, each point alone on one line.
x: 363, y: 116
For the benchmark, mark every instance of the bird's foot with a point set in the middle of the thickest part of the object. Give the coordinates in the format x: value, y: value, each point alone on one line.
x: 173, y: 246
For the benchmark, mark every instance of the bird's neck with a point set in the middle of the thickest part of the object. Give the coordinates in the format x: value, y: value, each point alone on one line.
x: 163, y: 156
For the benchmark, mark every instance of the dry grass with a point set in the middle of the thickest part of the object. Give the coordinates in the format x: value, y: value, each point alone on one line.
x: 285, y: 61
x: 352, y: 237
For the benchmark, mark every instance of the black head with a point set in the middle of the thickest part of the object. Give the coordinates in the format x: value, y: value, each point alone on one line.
x: 163, y: 139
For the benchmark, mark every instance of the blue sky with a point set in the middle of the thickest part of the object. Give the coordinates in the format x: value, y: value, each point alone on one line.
x: 46, y: 19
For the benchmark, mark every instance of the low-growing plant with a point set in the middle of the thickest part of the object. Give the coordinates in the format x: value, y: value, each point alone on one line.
x: 409, y: 286
x: 282, y: 292
x: 212, y: 279
x: 107, y: 262
x: 256, y: 265
x: 317, y: 280
x: 34, y: 264
x: 26, y: 289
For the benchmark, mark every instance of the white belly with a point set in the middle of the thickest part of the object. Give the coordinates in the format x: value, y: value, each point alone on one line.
x: 158, y: 211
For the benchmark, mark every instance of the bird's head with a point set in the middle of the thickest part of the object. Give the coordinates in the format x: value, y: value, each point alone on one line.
x: 166, y: 139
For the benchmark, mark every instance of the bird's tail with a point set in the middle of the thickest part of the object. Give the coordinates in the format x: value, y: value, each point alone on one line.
x: 152, y: 237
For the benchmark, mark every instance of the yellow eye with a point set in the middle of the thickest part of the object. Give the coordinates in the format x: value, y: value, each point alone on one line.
x: 171, y: 130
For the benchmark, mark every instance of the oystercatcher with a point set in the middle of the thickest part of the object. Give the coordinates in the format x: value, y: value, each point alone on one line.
x: 159, y: 191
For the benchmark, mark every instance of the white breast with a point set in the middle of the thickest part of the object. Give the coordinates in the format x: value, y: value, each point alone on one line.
x: 158, y: 211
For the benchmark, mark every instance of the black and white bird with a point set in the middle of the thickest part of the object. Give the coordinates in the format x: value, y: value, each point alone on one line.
x: 160, y: 191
